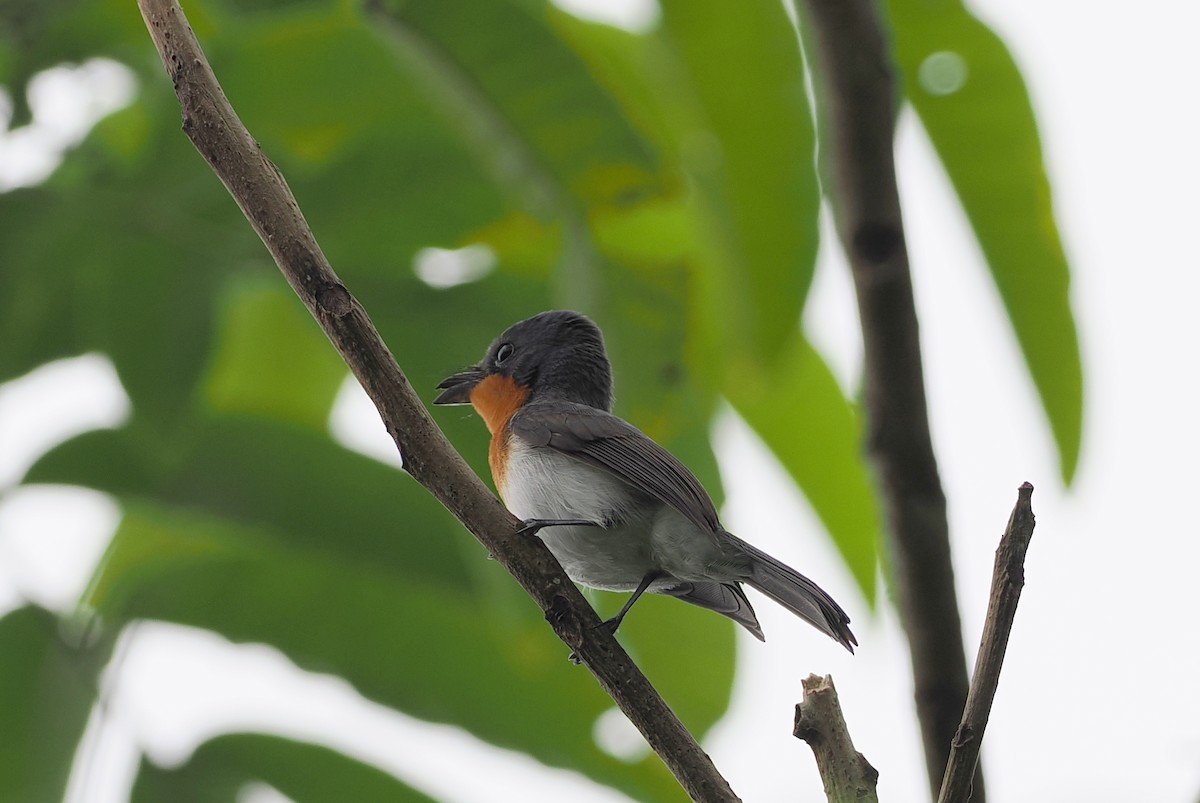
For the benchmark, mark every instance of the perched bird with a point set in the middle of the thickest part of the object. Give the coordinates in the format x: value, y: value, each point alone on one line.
x: 617, y: 510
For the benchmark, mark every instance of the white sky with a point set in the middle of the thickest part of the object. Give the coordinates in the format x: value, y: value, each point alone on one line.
x: 1098, y: 700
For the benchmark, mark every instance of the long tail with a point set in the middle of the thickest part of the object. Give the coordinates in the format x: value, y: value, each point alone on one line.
x: 798, y: 594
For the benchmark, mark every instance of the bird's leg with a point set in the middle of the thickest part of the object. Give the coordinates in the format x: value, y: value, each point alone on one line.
x: 612, y: 624
x: 615, y: 622
x: 531, y: 526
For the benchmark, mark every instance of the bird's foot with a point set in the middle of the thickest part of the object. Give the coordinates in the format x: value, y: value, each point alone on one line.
x: 609, y: 625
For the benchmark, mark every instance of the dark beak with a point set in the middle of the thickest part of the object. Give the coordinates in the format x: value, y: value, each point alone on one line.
x: 457, y: 389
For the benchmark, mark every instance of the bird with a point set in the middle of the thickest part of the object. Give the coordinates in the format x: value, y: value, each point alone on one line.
x: 617, y: 510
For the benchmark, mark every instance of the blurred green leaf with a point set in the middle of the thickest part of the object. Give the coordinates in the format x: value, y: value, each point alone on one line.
x: 306, y: 773
x: 48, y: 682
x: 39, y: 34
x: 805, y: 420
x: 645, y: 329
x: 512, y: 87
x: 751, y: 153
x: 369, y: 161
x: 306, y: 490
x: 972, y: 100
x: 660, y: 230
x: 125, y: 258
x: 271, y: 358
x: 723, y: 96
x: 31, y: 295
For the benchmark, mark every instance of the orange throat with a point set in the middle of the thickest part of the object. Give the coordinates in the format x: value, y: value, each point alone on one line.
x: 497, y: 399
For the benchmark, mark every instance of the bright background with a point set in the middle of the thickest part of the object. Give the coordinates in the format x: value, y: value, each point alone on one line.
x: 1098, y: 700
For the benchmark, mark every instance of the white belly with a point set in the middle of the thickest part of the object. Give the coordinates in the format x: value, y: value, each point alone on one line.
x: 542, y: 484
x: 641, y: 535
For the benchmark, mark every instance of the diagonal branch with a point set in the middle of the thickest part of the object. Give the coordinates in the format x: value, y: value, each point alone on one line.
x: 857, y: 113
x: 1008, y: 577
x: 263, y: 195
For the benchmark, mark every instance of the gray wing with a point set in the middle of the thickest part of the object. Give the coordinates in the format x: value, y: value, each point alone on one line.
x: 605, y: 441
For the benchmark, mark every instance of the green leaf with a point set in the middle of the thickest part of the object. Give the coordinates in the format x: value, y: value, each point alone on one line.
x: 972, y: 100
x: 309, y: 492
x: 47, y: 689
x: 751, y: 153
x: 271, y: 358
x: 306, y: 773
x: 723, y: 96
x: 40, y: 34
x: 817, y: 440
x: 31, y: 327
x: 369, y: 161
x: 513, y: 89
x: 122, y: 258
x: 645, y: 329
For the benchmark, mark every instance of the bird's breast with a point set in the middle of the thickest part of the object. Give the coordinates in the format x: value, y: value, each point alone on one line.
x: 540, y: 483
x: 543, y: 484
x: 497, y: 399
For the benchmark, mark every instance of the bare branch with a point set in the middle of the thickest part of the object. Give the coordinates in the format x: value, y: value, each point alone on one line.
x: 857, y: 111
x: 1008, y: 577
x: 263, y: 195
x: 846, y: 773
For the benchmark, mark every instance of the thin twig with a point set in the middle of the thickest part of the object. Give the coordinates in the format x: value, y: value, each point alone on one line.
x: 856, y: 90
x: 263, y: 195
x: 846, y: 773
x: 1008, y: 578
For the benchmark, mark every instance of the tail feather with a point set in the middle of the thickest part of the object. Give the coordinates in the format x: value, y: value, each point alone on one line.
x: 724, y: 598
x: 798, y: 594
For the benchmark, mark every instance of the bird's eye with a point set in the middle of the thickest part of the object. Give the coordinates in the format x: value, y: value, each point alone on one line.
x: 503, y: 353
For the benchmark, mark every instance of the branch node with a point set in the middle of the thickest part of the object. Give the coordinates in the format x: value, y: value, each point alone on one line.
x: 566, y: 624
x: 963, y: 736
x: 334, y: 299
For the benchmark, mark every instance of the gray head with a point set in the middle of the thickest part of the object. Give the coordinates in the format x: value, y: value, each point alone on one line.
x: 555, y: 354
